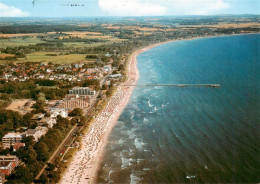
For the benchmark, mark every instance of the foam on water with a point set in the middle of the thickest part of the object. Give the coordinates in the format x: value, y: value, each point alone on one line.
x: 209, y: 133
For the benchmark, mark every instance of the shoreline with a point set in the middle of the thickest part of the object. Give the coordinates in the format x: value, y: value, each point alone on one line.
x: 85, y: 163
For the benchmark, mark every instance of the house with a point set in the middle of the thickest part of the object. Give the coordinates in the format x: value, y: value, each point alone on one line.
x: 37, y: 133
x: 38, y: 116
x: 47, y: 122
x: 18, y: 145
x: 78, y: 65
x: 108, y: 55
x: 10, y: 139
x: 59, y: 111
x: 115, y: 76
x: 49, y: 70
x: 107, y: 68
x: 91, y: 70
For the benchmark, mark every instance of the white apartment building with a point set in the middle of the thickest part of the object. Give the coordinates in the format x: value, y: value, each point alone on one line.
x: 10, y: 139
x: 82, y: 91
x: 37, y: 133
x: 59, y: 111
x: 47, y: 121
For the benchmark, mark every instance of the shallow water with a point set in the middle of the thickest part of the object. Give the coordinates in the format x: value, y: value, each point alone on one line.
x: 182, y: 135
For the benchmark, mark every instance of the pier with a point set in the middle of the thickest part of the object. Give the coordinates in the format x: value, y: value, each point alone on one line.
x: 177, y: 85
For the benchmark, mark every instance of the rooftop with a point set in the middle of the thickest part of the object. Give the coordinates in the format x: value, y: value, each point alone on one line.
x: 31, y: 131
x: 18, y: 145
x: 7, y: 156
x: 5, y: 164
x: 12, y: 135
x: 44, y: 120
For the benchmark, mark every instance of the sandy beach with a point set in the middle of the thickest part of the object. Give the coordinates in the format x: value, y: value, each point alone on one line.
x: 85, y: 164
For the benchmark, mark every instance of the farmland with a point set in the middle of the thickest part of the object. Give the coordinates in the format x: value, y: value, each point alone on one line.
x: 17, y: 41
x: 45, y: 57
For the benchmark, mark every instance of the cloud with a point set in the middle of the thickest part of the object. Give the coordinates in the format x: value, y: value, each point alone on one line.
x: 11, y: 11
x: 196, y: 7
x: 131, y: 7
x: 162, y: 7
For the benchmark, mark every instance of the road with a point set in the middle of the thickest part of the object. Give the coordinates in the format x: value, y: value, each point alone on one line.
x: 58, y: 150
x: 67, y: 140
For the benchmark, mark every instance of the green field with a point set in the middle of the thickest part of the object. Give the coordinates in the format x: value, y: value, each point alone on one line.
x: 60, y: 59
x: 23, y: 41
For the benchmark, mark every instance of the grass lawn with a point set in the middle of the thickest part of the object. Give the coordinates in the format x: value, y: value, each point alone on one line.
x: 25, y: 41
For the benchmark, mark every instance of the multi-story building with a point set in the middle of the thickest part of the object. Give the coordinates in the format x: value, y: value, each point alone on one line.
x: 7, y: 165
x: 47, y: 121
x: 37, y: 133
x: 10, y: 158
x: 82, y: 91
x: 6, y: 168
x: 59, y: 111
x: 10, y: 139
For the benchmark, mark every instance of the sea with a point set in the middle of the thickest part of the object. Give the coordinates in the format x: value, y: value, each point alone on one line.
x: 170, y: 134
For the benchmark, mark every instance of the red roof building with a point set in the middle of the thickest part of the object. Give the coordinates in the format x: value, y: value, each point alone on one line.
x: 18, y: 145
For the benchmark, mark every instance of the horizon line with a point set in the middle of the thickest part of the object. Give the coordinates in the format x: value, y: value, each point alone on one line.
x: 244, y: 14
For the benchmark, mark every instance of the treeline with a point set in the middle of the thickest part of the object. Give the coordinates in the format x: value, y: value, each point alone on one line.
x: 76, y: 39
x: 14, y: 29
x: 26, y: 90
x: 238, y: 30
x: 31, y: 89
x: 11, y: 120
x: 45, y: 82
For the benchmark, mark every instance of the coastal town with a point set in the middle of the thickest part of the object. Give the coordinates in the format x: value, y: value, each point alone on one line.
x: 78, y: 100
x: 61, y: 95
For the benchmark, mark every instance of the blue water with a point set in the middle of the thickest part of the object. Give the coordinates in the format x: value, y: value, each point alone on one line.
x: 191, y: 134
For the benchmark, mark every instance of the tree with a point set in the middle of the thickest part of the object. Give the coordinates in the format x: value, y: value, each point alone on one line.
x: 43, y: 179
x: 50, y: 167
x: 41, y: 99
x: 83, y: 120
x: 76, y: 112
x: 74, y: 121
x: 42, y: 151
x: 28, y: 140
x: 47, y: 114
x: 22, y: 175
x: 31, y: 155
x: 121, y: 67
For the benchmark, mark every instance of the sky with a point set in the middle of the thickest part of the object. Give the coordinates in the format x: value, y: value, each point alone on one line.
x: 93, y: 8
